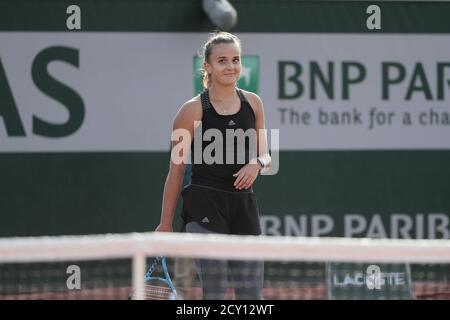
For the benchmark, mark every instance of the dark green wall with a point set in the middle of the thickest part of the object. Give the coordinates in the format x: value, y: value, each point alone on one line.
x: 254, y: 16
x: 81, y: 193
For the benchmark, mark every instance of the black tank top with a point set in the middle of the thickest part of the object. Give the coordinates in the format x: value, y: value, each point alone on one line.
x: 220, y: 175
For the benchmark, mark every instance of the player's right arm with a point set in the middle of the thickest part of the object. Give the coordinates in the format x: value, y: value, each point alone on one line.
x: 182, y: 135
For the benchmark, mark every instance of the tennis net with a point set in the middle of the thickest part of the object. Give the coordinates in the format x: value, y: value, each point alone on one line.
x: 113, y: 266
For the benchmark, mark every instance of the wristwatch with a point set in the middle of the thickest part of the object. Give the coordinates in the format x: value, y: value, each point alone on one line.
x: 260, y: 162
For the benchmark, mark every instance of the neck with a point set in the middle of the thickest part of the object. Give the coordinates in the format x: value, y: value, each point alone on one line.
x: 222, y: 93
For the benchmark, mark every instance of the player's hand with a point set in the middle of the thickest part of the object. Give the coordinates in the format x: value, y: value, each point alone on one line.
x: 246, y: 176
x: 164, y: 228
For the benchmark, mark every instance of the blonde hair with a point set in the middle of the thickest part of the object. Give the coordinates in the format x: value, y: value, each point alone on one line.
x: 215, y: 39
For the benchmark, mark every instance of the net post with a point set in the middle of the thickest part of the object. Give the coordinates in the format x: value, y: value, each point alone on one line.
x: 138, y: 275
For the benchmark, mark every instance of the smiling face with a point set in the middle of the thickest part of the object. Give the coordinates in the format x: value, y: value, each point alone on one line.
x: 224, y: 64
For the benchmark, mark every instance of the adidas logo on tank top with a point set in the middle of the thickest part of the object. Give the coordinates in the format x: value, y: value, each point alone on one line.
x: 231, y: 123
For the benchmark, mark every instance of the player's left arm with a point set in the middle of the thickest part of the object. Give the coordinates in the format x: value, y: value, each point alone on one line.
x: 263, y: 149
x: 247, y: 175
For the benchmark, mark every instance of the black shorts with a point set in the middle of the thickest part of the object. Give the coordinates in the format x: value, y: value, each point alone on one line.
x: 221, y: 211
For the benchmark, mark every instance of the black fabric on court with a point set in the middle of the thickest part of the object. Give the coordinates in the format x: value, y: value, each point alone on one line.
x: 211, y: 199
x: 220, y: 175
x: 225, y: 212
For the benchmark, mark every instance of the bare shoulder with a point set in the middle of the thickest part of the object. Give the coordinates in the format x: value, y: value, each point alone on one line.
x: 254, y: 100
x: 190, y: 111
x: 192, y: 106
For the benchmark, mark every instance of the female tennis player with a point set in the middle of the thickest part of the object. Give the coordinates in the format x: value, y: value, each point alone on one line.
x: 220, y: 197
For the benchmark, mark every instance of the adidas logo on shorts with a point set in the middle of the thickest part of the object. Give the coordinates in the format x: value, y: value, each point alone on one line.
x: 205, y: 220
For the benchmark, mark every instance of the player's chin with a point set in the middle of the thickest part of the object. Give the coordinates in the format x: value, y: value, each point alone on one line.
x: 228, y: 80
